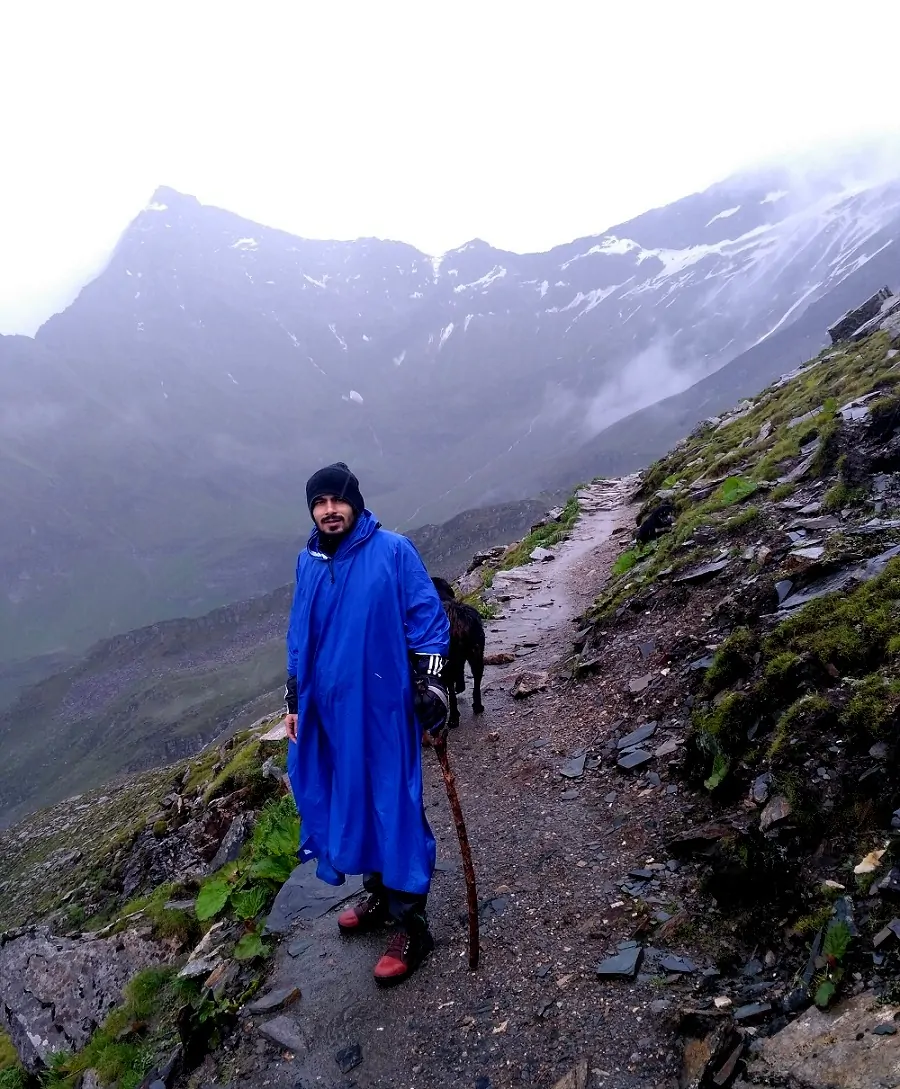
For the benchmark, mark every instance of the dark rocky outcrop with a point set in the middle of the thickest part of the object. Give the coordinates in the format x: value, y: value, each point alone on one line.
x: 55, y: 991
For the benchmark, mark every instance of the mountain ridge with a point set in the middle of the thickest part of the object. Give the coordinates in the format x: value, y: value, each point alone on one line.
x: 159, y: 430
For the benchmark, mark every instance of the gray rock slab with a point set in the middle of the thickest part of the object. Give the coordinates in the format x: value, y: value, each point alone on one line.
x: 304, y: 897
x: 284, y: 1032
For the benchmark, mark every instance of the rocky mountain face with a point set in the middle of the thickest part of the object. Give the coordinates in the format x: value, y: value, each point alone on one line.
x: 156, y: 435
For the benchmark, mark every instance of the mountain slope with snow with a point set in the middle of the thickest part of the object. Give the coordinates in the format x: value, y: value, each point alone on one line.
x: 156, y: 435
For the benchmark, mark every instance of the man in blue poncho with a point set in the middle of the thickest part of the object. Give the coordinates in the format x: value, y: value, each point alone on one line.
x: 366, y: 644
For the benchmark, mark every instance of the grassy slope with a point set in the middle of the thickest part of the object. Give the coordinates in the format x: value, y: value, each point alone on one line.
x: 786, y: 697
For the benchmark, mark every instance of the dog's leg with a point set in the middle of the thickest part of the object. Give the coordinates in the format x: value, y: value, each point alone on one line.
x: 477, y: 664
x: 453, y: 719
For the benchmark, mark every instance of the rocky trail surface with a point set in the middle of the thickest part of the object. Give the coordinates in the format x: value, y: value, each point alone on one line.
x: 548, y: 860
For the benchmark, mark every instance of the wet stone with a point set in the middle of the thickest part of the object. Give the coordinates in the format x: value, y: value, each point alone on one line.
x: 283, y: 1031
x: 624, y: 964
x: 574, y: 767
x: 884, y: 1030
x: 704, y: 571
x: 778, y: 810
x: 753, y: 1011
x: 634, y: 759
x: 760, y: 789
x: 679, y: 965
x: 702, y: 663
x: 348, y: 1058
x: 638, y: 736
x: 783, y: 589
x: 890, y: 884
x: 274, y: 1000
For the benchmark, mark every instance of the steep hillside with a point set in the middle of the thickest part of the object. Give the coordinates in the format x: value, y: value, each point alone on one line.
x: 156, y: 435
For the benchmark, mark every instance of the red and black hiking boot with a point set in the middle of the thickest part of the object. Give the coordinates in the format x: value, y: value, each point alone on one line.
x: 409, y: 946
x: 371, y: 914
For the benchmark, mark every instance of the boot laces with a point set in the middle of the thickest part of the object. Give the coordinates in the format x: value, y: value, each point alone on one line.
x: 398, y: 947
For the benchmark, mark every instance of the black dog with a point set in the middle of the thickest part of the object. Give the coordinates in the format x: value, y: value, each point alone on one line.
x: 658, y: 519
x: 466, y: 645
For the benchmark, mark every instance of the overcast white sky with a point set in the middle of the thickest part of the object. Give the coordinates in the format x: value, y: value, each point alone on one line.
x: 431, y: 121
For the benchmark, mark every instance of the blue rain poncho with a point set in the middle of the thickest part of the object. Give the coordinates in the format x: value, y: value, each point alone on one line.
x: 356, y: 768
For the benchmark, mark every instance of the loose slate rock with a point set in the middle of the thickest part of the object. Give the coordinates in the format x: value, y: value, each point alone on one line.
x: 624, y: 964
x: 639, y: 684
x: 778, y: 810
x: 542, y: 555
x: 704, y: 571
x: 680, y: 965
x: 574, y: 767
x: 349, y: 1058
x: 753, y: 1011
x: 274, y: 1000
x: 530, y: 682
x: 760, y: 789
x: 634, y: 759
x: 637, y: 737
x: 283, y: 1032
x: 783, y: 589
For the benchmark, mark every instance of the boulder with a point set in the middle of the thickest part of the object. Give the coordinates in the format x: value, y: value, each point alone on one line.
x: 840, y: 1048
x: 55, y: 991
x: 529, y: 682
x: 846, y: 326
x: 237, y: 835
x: 470, y: 583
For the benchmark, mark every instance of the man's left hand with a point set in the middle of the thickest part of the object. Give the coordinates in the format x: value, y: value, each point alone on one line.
x: 432, y: 706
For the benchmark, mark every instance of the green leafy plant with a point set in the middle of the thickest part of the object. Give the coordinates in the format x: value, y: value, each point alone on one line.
x: 213, y: 896
x: 735, y: 490
x: 834, y: 949
x: 248, y: 888
x: 249, y: 946
x: 719, y: 771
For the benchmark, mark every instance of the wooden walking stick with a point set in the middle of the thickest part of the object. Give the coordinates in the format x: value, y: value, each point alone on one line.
x: 440, y: 747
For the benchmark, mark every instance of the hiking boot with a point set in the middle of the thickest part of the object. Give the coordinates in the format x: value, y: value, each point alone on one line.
x: 409, y: 946
x: 371, y: 914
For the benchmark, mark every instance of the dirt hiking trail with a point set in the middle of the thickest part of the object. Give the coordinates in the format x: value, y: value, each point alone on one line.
x: 547, y: 857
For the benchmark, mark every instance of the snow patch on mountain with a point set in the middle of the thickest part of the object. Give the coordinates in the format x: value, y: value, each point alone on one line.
x: 337, y: 336
x: 610, y: 244
x: 724, y: 215
x: 496, y: 273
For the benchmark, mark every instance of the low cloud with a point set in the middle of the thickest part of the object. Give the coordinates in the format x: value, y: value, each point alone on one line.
x: 650, y: 376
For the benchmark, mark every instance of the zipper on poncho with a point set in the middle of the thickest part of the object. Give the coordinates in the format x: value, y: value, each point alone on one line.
x: 331, y: 568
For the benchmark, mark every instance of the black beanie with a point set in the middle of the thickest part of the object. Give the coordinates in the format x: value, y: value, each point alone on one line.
x: 336, y: 480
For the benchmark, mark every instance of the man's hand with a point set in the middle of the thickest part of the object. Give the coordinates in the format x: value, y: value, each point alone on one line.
x: 432, y: 706
x: 290, y: 708
x: 290, y: 725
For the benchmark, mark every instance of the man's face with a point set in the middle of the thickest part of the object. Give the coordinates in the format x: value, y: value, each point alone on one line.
x: 332, y: 515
